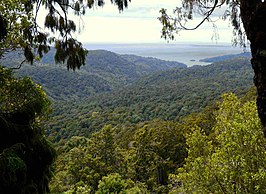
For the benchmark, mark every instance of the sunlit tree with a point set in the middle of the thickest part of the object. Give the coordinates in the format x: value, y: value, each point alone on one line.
x: 232, y: 159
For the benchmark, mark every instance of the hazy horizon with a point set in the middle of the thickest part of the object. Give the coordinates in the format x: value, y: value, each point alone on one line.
x: 187, y: 53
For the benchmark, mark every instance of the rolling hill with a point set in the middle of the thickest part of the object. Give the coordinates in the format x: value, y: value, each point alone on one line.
x: 127, y: 89
x: 104, y: 71
x: 168, y: 95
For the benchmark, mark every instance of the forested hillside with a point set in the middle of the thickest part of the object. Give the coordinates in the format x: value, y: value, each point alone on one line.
x: 104, y: 72
x: 169, y: 157
x: 129, y: 124
x: 168, y: 95
x: 125, y: 123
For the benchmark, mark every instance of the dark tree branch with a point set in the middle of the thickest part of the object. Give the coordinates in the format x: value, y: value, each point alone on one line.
x: 208, y: 7
x: 208, y: 14
x: 19, y: 66
x: 36, y: 12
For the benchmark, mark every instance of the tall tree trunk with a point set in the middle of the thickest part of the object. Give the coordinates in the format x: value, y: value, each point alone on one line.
x: 253, y: 15
x: 259, y: 66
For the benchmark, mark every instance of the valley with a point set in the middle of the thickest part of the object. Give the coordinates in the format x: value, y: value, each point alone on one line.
x: 132, y: 97
x: 127, y: 118
x: 120, y: 89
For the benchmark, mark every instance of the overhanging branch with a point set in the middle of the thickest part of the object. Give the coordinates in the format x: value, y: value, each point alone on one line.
x: 19, y: 66
x: 208, y: 14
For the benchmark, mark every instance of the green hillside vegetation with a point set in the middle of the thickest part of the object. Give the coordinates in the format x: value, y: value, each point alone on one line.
x: 168, y: 95
x: 162, y: 132
x: 104, y: 71
x: 125, y: 68
x: 229, y: 160
x: 119, y: 131
x: 125, y: 124
x: 170, y: 157
x: 60, y: 84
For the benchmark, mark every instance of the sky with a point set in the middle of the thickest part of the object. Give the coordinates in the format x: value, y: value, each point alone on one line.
x: 139, y: 24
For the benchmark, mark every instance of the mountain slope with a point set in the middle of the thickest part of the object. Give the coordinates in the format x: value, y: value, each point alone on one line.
x: 124, y: 68
x: 61, y: 84
x: 151, y: 64
x: 177, y: 92
x: 168, y: 95
x: 104, y: 71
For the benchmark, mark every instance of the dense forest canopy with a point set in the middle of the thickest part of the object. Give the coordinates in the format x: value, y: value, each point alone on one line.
x: 20, y: 30
x: 168, y: 95
x: 166, y: 132
x: 170, y: 157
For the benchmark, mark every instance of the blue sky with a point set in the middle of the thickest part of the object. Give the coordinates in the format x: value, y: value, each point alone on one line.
x: 139, y: 24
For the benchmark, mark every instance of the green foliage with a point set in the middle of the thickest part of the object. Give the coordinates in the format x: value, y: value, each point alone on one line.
x: 25, y: 154
x: 113, y: 183
x: 232, y: 159
x: 157, y: 148
x: 86, y: 163
x: 150, y: 153
x: 70, y: 51
x: 168, y: 95
x: 21, y: 95
x: 145, y: 158
x: 17, y: 20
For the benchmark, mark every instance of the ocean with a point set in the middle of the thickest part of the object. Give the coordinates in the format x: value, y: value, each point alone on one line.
x: 186, y: 53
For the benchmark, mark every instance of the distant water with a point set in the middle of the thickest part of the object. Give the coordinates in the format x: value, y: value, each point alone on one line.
x: 190, y: 54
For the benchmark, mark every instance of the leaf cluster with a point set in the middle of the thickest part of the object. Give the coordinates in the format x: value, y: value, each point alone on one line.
x: 173, y: 23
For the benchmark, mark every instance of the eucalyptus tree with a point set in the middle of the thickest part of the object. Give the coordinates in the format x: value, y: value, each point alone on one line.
x: 248, y: 20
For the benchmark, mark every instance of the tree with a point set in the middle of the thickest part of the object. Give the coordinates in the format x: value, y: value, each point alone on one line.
x: 20, y: 30
x: 114, y: 183
x: 156, y: 150
x: 231, y: 159
x: 247, y: 18
x: 25, y: 154
x: 85, y: 162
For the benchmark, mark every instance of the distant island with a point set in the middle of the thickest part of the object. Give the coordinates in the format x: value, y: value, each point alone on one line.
x: 226, y: 57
